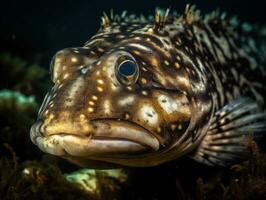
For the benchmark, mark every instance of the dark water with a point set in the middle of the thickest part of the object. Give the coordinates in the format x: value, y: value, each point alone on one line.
x: 44, y: 27
x: 35, y: 31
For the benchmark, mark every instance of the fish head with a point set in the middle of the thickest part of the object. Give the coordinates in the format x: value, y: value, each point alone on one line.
x: 119, y: 105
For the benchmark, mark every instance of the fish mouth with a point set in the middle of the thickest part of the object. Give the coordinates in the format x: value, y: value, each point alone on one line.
x: 107, y: 137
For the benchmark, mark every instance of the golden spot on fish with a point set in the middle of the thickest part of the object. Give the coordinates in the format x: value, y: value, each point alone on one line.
x: 82, y: 117
x: 143, y: 80
x: 144, y: 69
x: 91, y: 103
x: 51, y: 116
x: 144, y: 93
x: 100, y: 89
x: 150, y: 30
x: 74, y: 59
x: 173, y: 127
x: 81, y: 67
x: 100, y: 49
x: 177, y: 65
x: 54, y: 95
x: 51, y: 104
x: 46, y: 112
x: 66, y: 76
x: 179, y: 127
x: 136, y: 52
x: 98, y: 73
x: 90, y: 109
x: 154, y: 61
x: 107, y: 106
x: 100, y: 82
x: 129, y: 88
x: 166, y: 62
x: 63, y: 67
x: 159, y: 129
x: 61, y: 85
x: 99, y: 62
x: 95, y: 98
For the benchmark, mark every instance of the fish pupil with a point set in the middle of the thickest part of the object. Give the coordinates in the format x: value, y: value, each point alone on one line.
x: 127, y: 68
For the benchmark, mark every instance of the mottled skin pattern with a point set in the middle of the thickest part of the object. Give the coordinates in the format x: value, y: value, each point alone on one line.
x: 188, y: 69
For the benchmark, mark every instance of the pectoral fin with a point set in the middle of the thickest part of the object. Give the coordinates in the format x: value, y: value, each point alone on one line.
x: 226, y: 139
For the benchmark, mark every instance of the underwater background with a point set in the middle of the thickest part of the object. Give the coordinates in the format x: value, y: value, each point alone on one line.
x: 31, y: 32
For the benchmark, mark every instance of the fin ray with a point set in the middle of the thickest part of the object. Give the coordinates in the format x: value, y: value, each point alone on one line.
x: 231, y: 126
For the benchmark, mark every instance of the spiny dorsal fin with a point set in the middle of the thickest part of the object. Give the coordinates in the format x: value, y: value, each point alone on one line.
x: 105, y: 21
x: 212, y: 16
x: 160, y: 18
x: 123, y: 14
x: 191, y: 14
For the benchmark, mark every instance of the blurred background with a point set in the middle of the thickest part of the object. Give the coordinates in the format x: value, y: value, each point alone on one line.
x: 37, y: 29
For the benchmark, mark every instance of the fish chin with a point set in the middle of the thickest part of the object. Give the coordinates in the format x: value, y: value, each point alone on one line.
x: 109, y: 138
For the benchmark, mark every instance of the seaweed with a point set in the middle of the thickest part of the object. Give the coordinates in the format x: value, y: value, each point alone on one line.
x: 19, y: 75
x: 37, y: 180
x: 247, y: 180
x: 34, y: 180
x: 17, y: 113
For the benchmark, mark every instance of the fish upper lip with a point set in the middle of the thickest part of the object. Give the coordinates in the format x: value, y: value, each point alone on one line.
x: 120, y: 134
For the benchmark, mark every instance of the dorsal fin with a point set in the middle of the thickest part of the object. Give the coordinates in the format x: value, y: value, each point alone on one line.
x: 105, y: 21
x: 160, y: 18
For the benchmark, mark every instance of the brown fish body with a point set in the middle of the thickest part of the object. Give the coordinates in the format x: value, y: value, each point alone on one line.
x: 144, y: 92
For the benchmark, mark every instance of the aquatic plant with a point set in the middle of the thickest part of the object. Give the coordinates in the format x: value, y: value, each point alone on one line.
x: 100, y: 182
x: 17, y: 113
x: 19, y: 75
x: 22, y: 84
x: 245, y: 181
x: 35, y: 180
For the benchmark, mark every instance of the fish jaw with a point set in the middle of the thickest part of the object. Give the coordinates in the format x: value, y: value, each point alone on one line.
x: 104, y: 137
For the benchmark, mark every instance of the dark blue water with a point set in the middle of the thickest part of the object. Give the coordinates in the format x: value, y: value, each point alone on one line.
x: 41, y: 28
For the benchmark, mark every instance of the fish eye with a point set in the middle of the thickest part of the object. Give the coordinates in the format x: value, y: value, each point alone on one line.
x: 127, y: 71
x: 127, y: 68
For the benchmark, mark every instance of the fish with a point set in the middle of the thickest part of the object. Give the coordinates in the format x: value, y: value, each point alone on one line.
x: 144, y: 91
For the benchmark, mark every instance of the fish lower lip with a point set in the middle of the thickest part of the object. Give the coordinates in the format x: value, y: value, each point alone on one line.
x: 111, y: 128
x: 73, y: 145
x: 109, y: 137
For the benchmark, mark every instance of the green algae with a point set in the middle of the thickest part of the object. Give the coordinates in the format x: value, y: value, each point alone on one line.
x: 34, y: 180
x: 19, y: 75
